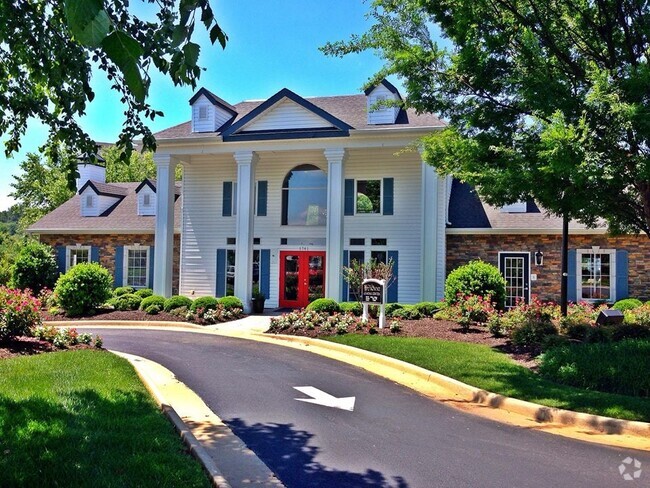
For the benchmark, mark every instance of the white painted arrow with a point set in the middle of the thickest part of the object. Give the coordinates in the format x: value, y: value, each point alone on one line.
x: 319, y: 397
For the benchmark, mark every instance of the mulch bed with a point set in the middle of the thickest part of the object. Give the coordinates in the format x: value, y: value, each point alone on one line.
x: 444, y: 330
x: 28, y: 346
x: 117, y: 315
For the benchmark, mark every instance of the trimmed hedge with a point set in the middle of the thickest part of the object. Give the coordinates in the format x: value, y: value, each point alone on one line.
x: 429, y: 309
x: 230, y: 302
x: 128, y: 301
x: 324, y: 305
x: 144, y: 292
x: 476, y: 278
x: 83, y: 288
x: 206, y: 303
x: 355, y: 308
x: 627, y: 304
x: 123, y: 290
x: 152, y: 300
x: 177, y: 301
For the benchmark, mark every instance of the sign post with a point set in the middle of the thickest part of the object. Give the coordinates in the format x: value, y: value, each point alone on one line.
x: 373, y: 292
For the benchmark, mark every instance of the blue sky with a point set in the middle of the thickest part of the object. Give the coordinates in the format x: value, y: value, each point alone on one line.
x: 271, y: 45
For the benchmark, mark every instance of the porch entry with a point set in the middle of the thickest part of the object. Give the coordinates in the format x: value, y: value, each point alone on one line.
x: 515, y: 268
x: 302, y: 278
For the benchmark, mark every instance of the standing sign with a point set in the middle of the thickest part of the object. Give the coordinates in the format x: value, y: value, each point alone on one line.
x: 373, y: 292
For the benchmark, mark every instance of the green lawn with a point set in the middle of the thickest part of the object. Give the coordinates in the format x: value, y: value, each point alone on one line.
x: 486, y: 368
x: 83, y: 418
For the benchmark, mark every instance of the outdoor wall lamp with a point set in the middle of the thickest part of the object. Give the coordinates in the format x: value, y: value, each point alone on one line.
x: 539, y: 258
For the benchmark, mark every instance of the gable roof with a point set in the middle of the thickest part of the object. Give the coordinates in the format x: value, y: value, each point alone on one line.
x: 152, y: 184
x: 350, y: 109
x: 214, y: 99
x: 121, y: 218
x: 467, y: 214
x: 391, y: 88
x: 104, y: 189
x: 236, y: 131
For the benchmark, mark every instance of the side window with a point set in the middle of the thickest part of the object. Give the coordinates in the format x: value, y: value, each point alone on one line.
x: 77, y: 255
x: 137, y: 267
x: 596, y: 275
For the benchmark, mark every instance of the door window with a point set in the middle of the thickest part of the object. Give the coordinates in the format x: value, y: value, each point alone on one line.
x: 515, y: 270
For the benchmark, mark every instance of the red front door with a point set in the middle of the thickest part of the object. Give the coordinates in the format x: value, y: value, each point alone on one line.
x: 302, y: 277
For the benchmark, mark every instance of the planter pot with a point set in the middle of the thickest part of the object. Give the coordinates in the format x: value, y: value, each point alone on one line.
x: 258, y: 305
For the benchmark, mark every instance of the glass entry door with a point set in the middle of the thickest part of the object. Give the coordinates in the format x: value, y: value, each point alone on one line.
x: 515, y: 268
x: 302, y: 278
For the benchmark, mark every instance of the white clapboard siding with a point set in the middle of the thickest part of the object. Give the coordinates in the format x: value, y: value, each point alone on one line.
x: 90, y: 172
x: 100, y: 203
x: 205, y: 230
x: 381, y: 115
x: 287, y: 114
x: 216, y: 116
x: 402, y: 229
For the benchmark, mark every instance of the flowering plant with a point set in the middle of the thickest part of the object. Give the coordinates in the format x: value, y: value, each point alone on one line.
x: 19, y: 312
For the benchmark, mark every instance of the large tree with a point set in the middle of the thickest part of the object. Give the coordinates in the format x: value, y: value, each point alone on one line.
x: 549, y: 100
x: 49, y: 49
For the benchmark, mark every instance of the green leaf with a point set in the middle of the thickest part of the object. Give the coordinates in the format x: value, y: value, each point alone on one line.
x: 217, y: 33
x: 125, y: 52
x: 179, y: 35
x: 87, y: 20
x: 191, y: 51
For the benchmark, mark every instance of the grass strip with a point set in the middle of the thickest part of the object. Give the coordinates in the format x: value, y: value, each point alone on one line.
x: 491, y: 370
x: 84, y: 418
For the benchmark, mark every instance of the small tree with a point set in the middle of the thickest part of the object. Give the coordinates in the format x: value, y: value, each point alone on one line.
x: 476, y: 278
x: 357, y: 272
x: 35, y: 267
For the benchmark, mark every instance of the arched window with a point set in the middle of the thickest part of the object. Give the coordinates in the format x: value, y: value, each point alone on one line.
x: 304, y: 196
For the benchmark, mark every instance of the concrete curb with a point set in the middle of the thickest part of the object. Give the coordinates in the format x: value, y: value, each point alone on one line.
x: 540, y: 413
x: 121, y: 323
x: 196, y: 449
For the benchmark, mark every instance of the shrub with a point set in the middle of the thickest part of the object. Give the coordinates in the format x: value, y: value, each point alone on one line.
x: 472, y: 308
x: 551, y: 341
x: 206, y: 303
x: 144, y: 292
x: 207, y: 316
x: 599, y: 334
x: 615, y: 367
x: 574, y: 330
x: 326, y: 305
x: 639, y: 315
x: 128, y: 301
x: 476, y: 278
x: 180, y: 311
x: 629, y: 331
x: 177, y: 301
x: 495, y: 325
x: 428, y: 309
x: 307, y: 320
x: 231, y: 302
x: 395, y: 326
x: 45, y: 333
x: 85, y: 338
x: 153, y: 309
x: 355, y: 308
x: 627, y: 304
x: 152, y: 300
x: 35, y: 267
x: 391, y: 307
x: 83, y: 288
x: 123, y: 290
x: 532, y: 334
x: 19, y: 313
x: 407, y: 312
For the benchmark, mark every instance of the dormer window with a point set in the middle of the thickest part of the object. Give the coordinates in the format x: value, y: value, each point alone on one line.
x: 203, y: 112
x: 146, y: 200
x: 378, y: 112
x: 90, y: 203
x: 209, y: 112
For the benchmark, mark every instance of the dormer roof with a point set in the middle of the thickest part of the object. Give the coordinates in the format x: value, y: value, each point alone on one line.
x: 214, y: 99
x: 152, y: 184
x: 391, y: 88
x: 104, y: 189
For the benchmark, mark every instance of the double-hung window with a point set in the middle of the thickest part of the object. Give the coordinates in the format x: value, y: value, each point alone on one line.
x: 368, y: 197
x: 596, y: 274
x: 77, y: 255
x: 136, y: 266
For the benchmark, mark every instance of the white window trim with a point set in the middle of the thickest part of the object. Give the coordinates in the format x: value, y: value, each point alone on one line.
x: 381, y: 196
x: 204, y: 112
x: 612, y: 276
x: 125, y: 264
x: 81, y: 248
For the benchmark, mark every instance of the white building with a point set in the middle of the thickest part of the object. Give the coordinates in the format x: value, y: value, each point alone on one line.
x: 282, y: 193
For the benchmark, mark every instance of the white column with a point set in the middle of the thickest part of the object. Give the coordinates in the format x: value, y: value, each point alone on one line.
x: 246, y: 161
x: 334, y: 232
x: 164, y: 239
x: 430, y: 230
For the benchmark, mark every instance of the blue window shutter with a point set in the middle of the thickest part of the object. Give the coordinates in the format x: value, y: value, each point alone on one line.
x: 94, y: 254
x: 349, y: 198
x: 262, y: 191
x: 344, y: 286
x: 387, y: 196
x: 221, y: 273
x: 265, y: 272
x: 572, y: 284
x: 392, y: 288
x: 621, y: 275
x: 226, y: 210
x: 151, y: 255
x: 60, y: 258
x: 119, y: 265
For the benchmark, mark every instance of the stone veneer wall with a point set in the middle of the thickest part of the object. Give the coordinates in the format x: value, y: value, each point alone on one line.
x: 107, y: 244
x: 464, y: 248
